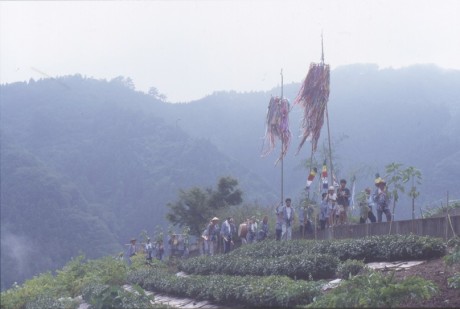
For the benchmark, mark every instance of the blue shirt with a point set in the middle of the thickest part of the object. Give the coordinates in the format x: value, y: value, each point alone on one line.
x: 226, y: 230
x: 324, y: 210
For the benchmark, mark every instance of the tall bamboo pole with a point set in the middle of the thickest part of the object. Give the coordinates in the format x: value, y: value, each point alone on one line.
x: 327, y: 119
x: 282, y: 148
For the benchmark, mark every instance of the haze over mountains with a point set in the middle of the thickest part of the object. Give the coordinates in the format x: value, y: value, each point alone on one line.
x: 86, y: 164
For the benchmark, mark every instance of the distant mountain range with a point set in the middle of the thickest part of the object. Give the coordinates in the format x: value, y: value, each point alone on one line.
x: 86, y: 164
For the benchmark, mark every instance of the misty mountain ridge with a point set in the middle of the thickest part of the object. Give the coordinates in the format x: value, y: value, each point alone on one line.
x: 103, y: 160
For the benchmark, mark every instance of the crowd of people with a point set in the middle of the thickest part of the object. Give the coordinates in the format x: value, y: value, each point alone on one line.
x: 150, y: 250
x: 333, y: 210
x: 334, y: 205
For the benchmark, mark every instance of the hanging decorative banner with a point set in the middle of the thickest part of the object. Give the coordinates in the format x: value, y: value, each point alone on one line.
x: 353, y: 188
x: 335, y: 183
x: 313, y: 96
x: 311, y: 177
x: 277, y: 126
x: 324, y: 176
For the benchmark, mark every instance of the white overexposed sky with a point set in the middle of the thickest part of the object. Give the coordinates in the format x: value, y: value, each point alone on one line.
x: 189, y: 49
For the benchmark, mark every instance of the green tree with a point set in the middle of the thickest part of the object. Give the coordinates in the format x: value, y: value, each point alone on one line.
x: 196, y: 207
x: 414, y: 176
x: 394, y: 178
x: 153, y: 91
x: 226, y: 195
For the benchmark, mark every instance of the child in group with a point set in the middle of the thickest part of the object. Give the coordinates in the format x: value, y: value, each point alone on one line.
x: 332, y: 208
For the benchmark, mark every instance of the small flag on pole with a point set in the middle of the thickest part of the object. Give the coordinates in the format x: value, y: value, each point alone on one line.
x: 311, y: 177
x: 324, y: 176
x: 353, y: 187
x: 334, y: 181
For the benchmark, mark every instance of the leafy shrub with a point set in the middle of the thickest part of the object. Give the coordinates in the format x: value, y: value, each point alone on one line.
x: 273, y: 248
x: 19, y: 296
x: 350, y: 268
x: 413, y: 247
x: 375, y: 290
x: 254, y: 291
x: 454, y: 281
x: 300, y: 266
x: 453, y: 242
x: 112, y: 296
x: 451, y: 259
x: 50, y: 302
x: 78, y: 273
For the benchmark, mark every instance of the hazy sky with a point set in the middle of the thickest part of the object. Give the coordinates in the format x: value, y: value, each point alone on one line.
x: 189, y: 49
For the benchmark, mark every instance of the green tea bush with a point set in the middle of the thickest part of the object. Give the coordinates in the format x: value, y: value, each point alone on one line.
x: 453, y: 242
x: 50, y: 302
x: 80, y: 272
x: 375, y: 290
x: 350, y: 268
x: 451, y: 259
x: 384, y: 248
x: 254, y: 291
x: 454, y: 281
x: 414, y: 247
x: 300, y: 266
x: 112, y: 296
x: 273, y: 248
x: 18, y: 296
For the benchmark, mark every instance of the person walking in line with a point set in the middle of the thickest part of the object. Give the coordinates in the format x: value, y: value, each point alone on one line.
x: 288, y: 220
x: 263, y: 232
x: 381, y: 200
x: 173, y: 243
x: 210, y: 236
x: 148, y: 247
x: 243, y: 232
x: 332, y: 207
x: 343, y: 201
x: 227, y: 233
x: 132, y: 250
x: 160, y: 249
x: 333, y: 210
x: 370, y: 204
x: 252, y: 230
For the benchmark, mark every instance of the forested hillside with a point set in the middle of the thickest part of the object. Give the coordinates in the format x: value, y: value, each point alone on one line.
x: 87, y: 164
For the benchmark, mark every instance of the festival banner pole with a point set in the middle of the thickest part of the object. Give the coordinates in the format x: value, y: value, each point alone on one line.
x: 277, y: 126
x: 327, y: 120
x: 282, y: 149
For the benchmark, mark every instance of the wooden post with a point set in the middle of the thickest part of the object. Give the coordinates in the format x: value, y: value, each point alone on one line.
x: 447, y: 216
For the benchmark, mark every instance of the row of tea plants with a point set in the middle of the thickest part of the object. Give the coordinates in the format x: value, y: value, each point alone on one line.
x: 257, y: 275
x: 266, y: 274
x: 309, y: 259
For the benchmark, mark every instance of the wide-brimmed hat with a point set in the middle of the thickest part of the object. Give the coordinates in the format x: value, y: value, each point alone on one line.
x: 379, y: 180
x: 133, y: 239
x: 331, y: 188
x: 215, y: 219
